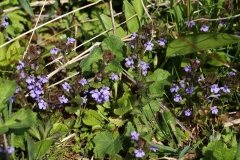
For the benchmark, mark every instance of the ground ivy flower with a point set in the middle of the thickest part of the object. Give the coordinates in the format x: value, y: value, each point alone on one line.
x: 83, y: 82
x: 144, y: 67
x: 188, y: 69
x: 225, y: 89
x: 204, y: 28
x: 101, y: 96
x: 70, y: 41
x: 162, y: 42
x: 139, y: 153
x: 22, y: 74
x: 134, y: 135
x: 43, y: 79
x: 190, y: 23
x: 20, y: 65
x: 134, y: 35
x: 66, y: 86
x: 42, y: 104
x: 30, y: 79
x: 148, y: 46
x: 174, y: 88
x: 54, y: 50
x: 177, y: 98
x: 182, y: 83
x: 4, y: 23
x: 188, y: 112
x: 9, y: 150
x: 214, y: 110
x: 84, y: 100
x: 214, y: 88
x: 63, y: 99
x: 232, y: 73
x: 153, y: 148
x: 113, y: 77
x: 189, y: 89
x: 200, y: 78
x: 129, y: 62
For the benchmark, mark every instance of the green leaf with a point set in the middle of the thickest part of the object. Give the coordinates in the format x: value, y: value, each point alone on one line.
x: 133, y: 24
x: 3, y: 129
x: 26, y: 6
x: 4, y: 63
x: 137, y: 4
x: 107, y: 24
x: 92, y: 118
x: 2, y: 49
x: 115, y: 45
x: 183, y: 152
x: 23, y: 118
x: 106, y: 144
x: 34, y: 132
x: 220, y: 59
x: 114, y: 66
x: 19, y: 141
x: 41, y: 148
x: 7, y: 89
x: 13, y: 49
x: 59, y: 127
x: 124, y: 105
x: 224, y: 153
x: 211, y: 147
x: 95, y: 55
x: 159, y: 79
x: 199, y: 42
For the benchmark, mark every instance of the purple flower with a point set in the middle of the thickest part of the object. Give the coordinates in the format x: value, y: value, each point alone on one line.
x: 188, y: 69
x: 131, y: 44
x: 225, y: 89
x: 20, y: 65
x: 10, y: 149
x: 188, y: 112
x: 54, y: 50
x: 139, y: 153
x: 177, y: 98
x: 83, y: 82
x: 189, y: 89
x: 4, y: 23
x: 174, y: 88
x: 182, y: 83
x: 144, y: 67
x: 200, y: 78
x: 43, y: 79
x: 42, y: 104
x: 114, y: 77
x: 148, y: 46
x: 6, y: 17
x: 190, y: 23
x: 22, y: 74
x: 231, y: 74
x: 66, y: 86
x: 204, y: 28
x: 129, y: 62
x: 70, y: 41
x: 134, y: 35
x: 162, y: 42
x: 30, y: 79
x: 214, y: 110
x: 134, y: 135
x: 222, y: 24
x: 84, y: 100
x: 101, y: 96
x: 153, y: 148
x: 17, y: 90
x: 214, y: 88
x: 63, y: 99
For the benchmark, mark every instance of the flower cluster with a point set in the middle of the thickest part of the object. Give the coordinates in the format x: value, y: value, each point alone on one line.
x: 70, y: 41
x: 101, y: 96
x: 66, y: 86
x: 162, y: 42
x: 204, y: 28
x: 113, y: 77
x: 36, y: 89
x: 9, y: 150
x: 20, y: 65
x: 130, y: 64
x: 54, y: 50
x: 148, y: 46
x: 4, y: 22
x: 83, y: 82
x: 139, y: 153
x: 190, y: 23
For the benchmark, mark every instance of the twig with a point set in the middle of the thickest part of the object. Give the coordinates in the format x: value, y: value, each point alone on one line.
x: 91, y: 4
x: 112, y: 17
x: 33, y: 4
x: 33, y: 32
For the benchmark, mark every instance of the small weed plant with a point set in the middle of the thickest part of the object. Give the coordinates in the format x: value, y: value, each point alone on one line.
x: 152, y: 80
